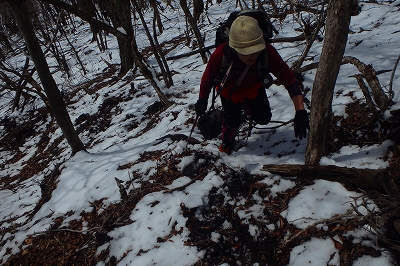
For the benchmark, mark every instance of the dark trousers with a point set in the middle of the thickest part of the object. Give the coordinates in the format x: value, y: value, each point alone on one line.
x: 258, y: 108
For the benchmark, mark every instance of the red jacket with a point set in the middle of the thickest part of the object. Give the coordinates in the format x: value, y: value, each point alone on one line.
x: 252, y: 81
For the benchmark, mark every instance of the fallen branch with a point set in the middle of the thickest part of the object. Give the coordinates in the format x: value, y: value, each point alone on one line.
x: 369, y: 74
x: 180, y: 188
x: 336, y: 219
x: 387, y: 216
x: 366, y: 179
x: 365, y: 91
x: 301, y: 37
x: 205, y: 49
x: 391, y: 93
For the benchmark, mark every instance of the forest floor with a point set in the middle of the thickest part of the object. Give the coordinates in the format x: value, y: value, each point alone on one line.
x: 82, y: 248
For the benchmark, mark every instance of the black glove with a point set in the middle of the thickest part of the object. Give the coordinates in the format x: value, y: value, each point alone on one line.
x: 301, y: 124
x: 200, y: 106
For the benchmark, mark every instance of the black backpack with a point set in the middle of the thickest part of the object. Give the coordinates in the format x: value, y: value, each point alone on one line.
x: 222, y: 33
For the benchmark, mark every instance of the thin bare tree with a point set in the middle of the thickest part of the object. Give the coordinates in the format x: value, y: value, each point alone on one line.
x: 193, y: 24
x: 337, y: 29
x: 137, y: 57
x: 119, y: 12
x: 21, y: 14
x: 157, y: 50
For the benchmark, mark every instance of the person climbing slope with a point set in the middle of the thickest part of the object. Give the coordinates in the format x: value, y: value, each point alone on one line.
x: 242, y: 87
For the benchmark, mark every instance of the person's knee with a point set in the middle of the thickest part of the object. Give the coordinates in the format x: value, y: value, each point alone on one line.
x: 262, y: 119
x: 233, y: 118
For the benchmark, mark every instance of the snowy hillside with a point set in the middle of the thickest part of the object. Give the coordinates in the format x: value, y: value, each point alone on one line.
x: 130, y: 200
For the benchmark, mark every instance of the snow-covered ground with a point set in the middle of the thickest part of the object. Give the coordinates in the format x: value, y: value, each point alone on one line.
x: 89, y: 176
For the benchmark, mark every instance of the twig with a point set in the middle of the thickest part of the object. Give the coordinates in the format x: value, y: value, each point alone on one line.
x: 282, y: 123
x: 122, y: 191
x: 388, y: 209
x: 69, y: 230
x: 62, y: 246
x: 391, y: 93
x: 198, y: 177
x: 347, y: 215
x: 320, y: 23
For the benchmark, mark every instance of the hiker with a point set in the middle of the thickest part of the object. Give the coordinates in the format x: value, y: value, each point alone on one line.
x: 246, y: 46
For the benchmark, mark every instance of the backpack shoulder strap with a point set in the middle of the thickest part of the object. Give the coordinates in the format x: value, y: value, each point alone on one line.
x: 263, y: 61
x: 263, y: 68
x: 227, y: 59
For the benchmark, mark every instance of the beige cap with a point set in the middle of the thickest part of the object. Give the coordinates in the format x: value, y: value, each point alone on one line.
x: 245, y: 36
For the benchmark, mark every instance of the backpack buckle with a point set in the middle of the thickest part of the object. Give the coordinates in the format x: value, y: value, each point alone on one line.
x: 267, y: 81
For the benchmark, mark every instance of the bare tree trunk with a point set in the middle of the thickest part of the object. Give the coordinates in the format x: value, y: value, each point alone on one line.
x: 147, y: 74
x: 158, y: 54
x: 198, y: 8
x: 19, y: 87
x: 337, y: 29
x: 138, y: 60
x: 193, y: 24
x: 120, y: 15
x: 89, y: 8
x: 53, y: 94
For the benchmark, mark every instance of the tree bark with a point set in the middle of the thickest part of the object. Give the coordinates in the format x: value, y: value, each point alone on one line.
x: 337, y: 28
x: 198, y: 8
x: 370, y: 75
x: 89, y: 8
x: 49, y: 85
x: 138, y: 60
x: 193, y: 24
x: 366, y: 179
x: 120, y: 15
x: 157, y: 50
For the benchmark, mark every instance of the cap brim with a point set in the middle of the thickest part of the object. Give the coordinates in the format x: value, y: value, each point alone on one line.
x: 250, y: 50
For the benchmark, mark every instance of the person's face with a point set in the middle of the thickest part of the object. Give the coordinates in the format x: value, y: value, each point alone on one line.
x: 249, y: 59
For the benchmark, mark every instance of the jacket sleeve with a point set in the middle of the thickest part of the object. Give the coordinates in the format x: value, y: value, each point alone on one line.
x: 210, y: 73
x: 282, y: 72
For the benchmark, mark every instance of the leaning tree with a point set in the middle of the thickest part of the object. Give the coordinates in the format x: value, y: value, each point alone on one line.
x: 55, y: 100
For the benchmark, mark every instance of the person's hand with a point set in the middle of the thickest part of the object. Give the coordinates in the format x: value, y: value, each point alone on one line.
x: 301, y: 124
x: 200, y: 106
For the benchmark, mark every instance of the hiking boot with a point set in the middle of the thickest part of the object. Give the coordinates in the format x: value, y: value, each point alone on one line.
x: 227, y: 147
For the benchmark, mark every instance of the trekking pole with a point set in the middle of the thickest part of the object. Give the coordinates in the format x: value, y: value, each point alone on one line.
x: 191, y: 131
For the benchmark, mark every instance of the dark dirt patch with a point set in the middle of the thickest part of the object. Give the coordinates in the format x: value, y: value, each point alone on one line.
x: 100, y: 121
x: 221, y: 230
x: 155, y: 108
x: 17, y: 135
x: 59, y: 247
x: 358, y: 128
